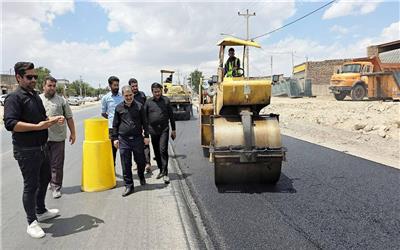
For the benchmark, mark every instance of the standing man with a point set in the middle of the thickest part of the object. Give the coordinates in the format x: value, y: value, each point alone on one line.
x: 25, y: 116
x: 141, y: 98
x: 232, y: 64
x: 56, y: 105
x: 108, y: 104
x: 159, y: 114
x: 128, y: 126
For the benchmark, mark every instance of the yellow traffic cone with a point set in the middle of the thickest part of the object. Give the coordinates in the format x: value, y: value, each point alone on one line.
x: 98, y: 172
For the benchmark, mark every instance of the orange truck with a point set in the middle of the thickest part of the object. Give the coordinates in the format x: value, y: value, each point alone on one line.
x: 366, y: 77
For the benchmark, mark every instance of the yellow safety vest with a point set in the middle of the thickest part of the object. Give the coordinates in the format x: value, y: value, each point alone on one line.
x: 231, y: 65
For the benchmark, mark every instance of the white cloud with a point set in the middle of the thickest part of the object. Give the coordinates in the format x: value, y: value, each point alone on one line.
x: 339, y: 29
x: 353, y: 7
x: 180, y: 36
x: 392, y: 32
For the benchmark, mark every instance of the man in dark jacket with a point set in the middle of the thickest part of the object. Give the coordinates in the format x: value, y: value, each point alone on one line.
x: 159, y: 114
x: 128, y: 126
x: 141, y: 97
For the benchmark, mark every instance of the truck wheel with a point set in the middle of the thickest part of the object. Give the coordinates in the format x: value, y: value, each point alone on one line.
x: 340, y: 96
x: 358, y: 92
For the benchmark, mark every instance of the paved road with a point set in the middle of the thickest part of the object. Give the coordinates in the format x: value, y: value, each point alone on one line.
x: 325, y: 200
x: 151, y: 218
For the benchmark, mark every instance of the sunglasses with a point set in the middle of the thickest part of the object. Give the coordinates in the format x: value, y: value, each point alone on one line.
x: 30, y: 77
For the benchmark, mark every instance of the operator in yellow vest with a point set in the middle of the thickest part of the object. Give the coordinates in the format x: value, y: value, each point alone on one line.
x: 232, y: 64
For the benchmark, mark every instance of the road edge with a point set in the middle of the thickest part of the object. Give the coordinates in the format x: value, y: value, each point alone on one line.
x: 198, y: 237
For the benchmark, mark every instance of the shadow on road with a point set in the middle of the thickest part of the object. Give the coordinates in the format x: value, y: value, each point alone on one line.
x: 285, y: 185
x: 178, y: 156
x: 67, y: 226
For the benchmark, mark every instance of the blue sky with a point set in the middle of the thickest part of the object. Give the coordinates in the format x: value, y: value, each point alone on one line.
x: 86, y: 24
x: 135, y: 39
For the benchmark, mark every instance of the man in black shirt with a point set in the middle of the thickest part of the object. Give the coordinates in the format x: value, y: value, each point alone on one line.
x: 141, y: 97
x: 25, y: 116
x: 129, y: 124
x: 159, y: 114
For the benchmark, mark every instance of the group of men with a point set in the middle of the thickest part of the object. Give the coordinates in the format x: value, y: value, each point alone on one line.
x: 39, y: 129
x: 132, y: 119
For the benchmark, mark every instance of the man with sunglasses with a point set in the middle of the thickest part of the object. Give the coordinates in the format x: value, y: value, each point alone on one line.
x: 25, y: 116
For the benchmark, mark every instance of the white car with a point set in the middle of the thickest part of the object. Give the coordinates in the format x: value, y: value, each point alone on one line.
x: 74, y: 101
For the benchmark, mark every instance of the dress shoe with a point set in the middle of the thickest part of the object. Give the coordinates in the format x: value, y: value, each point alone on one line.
x: 128, y: 190
x: 166, y: 179
x: 142, y: 181
x: 160, y: 175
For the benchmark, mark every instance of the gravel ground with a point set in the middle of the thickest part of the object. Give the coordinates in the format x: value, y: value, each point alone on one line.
x: 368, y: 129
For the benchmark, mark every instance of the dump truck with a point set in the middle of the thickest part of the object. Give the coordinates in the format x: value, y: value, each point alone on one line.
x: 179, y: 94
x: 244, y: 145
x: 367, y: 77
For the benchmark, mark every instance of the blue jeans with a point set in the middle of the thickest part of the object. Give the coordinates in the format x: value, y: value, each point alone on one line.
x: 35, y: 169
x: 128, y: 146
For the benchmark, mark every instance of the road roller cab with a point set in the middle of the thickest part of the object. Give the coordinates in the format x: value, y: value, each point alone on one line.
x: 244, y: 145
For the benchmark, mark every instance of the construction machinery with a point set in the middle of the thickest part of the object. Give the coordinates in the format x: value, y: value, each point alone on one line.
x: 179, y: 95
x: 244, y: 145
x: 369, y: 77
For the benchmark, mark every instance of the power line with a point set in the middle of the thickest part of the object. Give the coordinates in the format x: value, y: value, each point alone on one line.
x: 298, y: 19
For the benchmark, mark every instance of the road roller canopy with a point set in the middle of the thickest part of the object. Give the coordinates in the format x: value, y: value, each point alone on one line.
x: 231, y: 41
x: 167, y: 71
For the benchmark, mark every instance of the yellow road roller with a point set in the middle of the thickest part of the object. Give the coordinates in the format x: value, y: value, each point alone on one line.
x: 244, y: 145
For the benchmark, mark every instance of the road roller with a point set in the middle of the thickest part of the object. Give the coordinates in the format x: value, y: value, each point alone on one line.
x: 244, y: 145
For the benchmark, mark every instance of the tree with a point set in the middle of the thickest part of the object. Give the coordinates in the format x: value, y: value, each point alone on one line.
x: 42, y: 72
x: 194, y: 80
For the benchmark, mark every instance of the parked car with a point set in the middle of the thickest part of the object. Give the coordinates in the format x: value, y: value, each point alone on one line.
x: 74, y: 101
x: 81, y: 99
x: 2, y: 99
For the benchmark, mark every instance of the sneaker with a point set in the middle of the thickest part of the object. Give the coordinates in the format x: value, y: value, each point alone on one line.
x: 134, y: 167
x: 35, y: 231
x: 50, y: 213
x: 166, y: 179
x: 56, y: 194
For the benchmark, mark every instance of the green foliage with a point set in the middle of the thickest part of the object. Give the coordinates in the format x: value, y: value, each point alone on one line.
x: 77, y: 87
x: 42, y: 72
x: 194, y: 80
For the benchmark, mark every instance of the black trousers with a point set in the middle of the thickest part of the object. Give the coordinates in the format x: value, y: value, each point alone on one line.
x: 160, y: 148
x: 35, y: 169
x: 114, y: 149
x: 127, y: 147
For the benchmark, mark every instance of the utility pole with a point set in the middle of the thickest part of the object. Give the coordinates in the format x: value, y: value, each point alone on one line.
x: 271, y: 66
x: 292, y: 62
x: 247, y: 16
x: 80, y: 85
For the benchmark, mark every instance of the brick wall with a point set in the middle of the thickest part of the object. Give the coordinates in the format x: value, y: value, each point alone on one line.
x: 321, y: 72
x: 372, y: 51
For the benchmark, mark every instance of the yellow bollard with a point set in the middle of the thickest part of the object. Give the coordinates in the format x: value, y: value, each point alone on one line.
x: 98, y: 172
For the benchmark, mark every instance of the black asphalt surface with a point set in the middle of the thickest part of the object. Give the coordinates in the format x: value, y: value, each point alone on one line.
x: 325, y: 199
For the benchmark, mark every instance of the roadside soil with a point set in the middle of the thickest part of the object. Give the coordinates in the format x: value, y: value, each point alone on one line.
x: 367, y: 129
